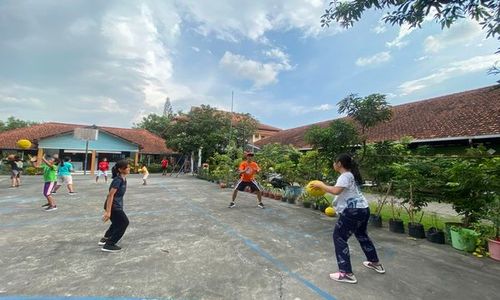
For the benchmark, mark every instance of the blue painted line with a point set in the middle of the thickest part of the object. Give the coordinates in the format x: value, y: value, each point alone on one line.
x: 256, y: 248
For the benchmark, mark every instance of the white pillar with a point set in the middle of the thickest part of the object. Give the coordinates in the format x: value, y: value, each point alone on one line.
x: 199, y: 158
x: 192, y: 163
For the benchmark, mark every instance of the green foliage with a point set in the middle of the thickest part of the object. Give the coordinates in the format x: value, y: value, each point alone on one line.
x: 243, y: 129
x: 154, y: 168
x: 414, y: 12
x: 378, y: 159
x: 473, y: 186
x: 13, y: 123
x: 154, y: 123
x: 32, y: 171
x: 312, y: 166
x: 339, y: 137
x: 279, y: 158
x: 202, y: 127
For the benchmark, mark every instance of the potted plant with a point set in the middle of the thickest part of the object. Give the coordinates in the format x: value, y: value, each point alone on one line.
x: 375, y: 219
x: 494, y: 216
x: 395, y: 223
x: 434, y: 234
x: 322, y: 203
x: 278, y: 194
x: 463, y: 238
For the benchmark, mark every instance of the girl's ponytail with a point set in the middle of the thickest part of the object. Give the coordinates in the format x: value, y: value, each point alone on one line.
x: 349, y: 164
x: 121, y: 164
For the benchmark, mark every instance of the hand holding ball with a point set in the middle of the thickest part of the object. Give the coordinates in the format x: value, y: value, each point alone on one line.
x: 23, y: 144
x: 314, y: 191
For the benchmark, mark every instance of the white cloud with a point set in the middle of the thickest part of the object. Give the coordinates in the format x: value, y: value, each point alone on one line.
x: 421, y: 58
x: 399, y: 41
x: 323, y: 107
x: 374, y: 60
x: 252, y: 19
x: 466, y: 33
x: 196, y: 49
x: 260, y: 73
x: 380, y: 28
x: 455, y: 69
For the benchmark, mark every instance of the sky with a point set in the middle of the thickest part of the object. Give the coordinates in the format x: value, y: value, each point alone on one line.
x: 111, y: 63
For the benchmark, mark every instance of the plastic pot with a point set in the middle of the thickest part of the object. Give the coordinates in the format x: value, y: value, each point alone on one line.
x: 494, y: 249
x: 396, y: 226
x: 416, y: 230
x: 306, y: 204
x: 375, y: 220
x: 463, y: 239
x: 447, y: 234
x: 435, y: 235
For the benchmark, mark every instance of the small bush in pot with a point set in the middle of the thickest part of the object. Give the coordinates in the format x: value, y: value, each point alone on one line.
x: 435, y: 234
x: 375, y: 219
x: 395, y: 223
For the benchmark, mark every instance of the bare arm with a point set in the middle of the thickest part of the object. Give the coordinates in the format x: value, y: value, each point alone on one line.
x: 109, y: 204
x: 328, y: 188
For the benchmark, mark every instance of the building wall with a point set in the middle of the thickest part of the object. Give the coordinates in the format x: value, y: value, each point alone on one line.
x: 104, y: 143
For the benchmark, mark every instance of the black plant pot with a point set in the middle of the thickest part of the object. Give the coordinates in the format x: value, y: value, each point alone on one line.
x: 435, y: 235
x: 375, y: 221
x: 416, y: 230
x: 306, y: 204
x: 284, y: 199
x: 396, y: 226
x: 322, y: 207
x: 291, y: 200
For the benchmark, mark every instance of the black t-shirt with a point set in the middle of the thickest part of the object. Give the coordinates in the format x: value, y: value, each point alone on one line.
x: 13, y: 165
x: 120, y: 184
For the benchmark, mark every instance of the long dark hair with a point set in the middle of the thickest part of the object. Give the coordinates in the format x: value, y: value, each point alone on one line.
x: 121, y: 164
x: 349, y: 164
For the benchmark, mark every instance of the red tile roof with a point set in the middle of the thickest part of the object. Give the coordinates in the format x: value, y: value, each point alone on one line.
x: 149, y: 143
x: 470, y: 113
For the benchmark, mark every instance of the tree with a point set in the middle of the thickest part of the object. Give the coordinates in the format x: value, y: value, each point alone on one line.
x: 167, y: 109
x: 413, y: 12
x: 368, y: 112
x: 202, y: 127
x: 244, y: 126
x: 13, y: 123
x: 154, y: 123
x: 339, y: 137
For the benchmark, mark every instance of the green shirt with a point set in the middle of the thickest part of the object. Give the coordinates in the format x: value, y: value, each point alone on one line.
x: 49, y: 173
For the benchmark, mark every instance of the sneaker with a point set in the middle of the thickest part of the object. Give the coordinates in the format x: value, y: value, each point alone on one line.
x: 110, y: 248
x: 260, y: 205
x: 46, y: 204
x: 343, y: 277
x: 51, y: 208
x: 102, y: 241
x: 53, y: 192
x: 72, y: 193
x: 378, y: 268
x: 231, y: 205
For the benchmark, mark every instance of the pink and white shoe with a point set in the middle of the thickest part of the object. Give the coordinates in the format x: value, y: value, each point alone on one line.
x: 343, y: 277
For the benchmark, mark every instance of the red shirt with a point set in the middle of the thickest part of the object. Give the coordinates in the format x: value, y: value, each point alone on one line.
x: 164, y: 163
x: 103, y: 165
x: 251, y: 168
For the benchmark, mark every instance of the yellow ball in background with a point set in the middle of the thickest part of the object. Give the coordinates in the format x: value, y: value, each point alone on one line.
x: 23, y: 144
x: 313, y: 191
x: 330, y: 211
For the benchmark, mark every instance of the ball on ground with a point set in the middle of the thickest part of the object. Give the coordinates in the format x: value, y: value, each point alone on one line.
x: 314, y: 191
x: 23, y: 144
x: 330, y: 211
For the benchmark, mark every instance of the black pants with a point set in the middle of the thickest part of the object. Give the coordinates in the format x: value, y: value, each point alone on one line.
x: 119, y: 223
x: 352, y: 220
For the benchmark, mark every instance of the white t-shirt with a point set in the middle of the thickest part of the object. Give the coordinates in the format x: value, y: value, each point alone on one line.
x: 351, y: 196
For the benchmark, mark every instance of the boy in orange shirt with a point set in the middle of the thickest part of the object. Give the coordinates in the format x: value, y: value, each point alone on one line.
x: 248, y: 168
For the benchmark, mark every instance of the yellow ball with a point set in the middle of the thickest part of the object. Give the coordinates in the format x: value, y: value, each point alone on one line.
x: 313, y: 191
x: 330, y: 211
x: 24, y: 144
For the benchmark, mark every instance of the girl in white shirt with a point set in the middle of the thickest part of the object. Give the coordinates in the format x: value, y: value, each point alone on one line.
x: 354, y: 213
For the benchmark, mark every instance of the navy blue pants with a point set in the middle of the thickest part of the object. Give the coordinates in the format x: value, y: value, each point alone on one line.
x: 119, y: 223
x: 352, y: 220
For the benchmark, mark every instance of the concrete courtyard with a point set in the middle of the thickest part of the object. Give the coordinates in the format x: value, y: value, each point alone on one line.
x: 184, y: 243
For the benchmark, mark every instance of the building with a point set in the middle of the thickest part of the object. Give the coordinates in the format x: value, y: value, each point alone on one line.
x: 112, y: 143
x: 456, y: 120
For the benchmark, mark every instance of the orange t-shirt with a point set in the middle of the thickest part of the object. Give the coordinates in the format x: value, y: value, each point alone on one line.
x: 253, y: 168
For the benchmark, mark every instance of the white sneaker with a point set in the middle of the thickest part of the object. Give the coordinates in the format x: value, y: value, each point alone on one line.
x: 378, y: 268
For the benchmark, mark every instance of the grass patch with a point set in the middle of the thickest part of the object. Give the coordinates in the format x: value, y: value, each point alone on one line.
x: 428, y: 220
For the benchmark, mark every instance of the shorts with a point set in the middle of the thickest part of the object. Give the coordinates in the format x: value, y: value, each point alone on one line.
x: 47, y: 188
x: 145, y: 176
x: 14, y: 174
x: 100, y: 173
x: 65, y: 179
x: 241, y: 185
